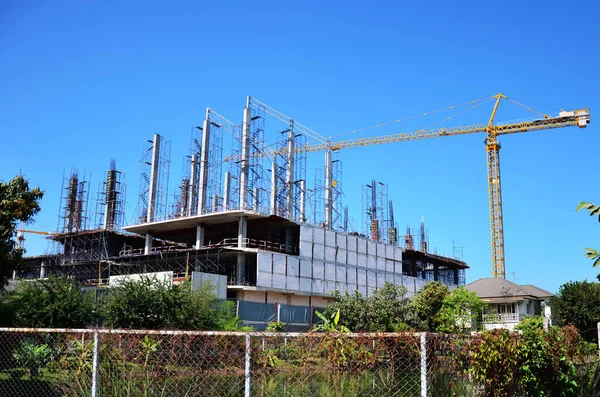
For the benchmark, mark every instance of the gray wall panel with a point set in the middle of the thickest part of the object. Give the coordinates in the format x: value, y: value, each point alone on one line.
x: 293, y: 283
x: 278, y: 281
x: 279, y: 263
x: 264, y: 262
x: 319, y: 235
x: 341, y: 240
x: 340, y: 274
x: 371, y: 262
x: 330, y: 271
x: 319, y: 251
x: 371, y: 279
x: 305, y: 268
x: 330, y: 253
x: 318, y: 270
x: 352, y: 245
x: 305, y: 284
x: 351, y: 275
x: 264, y: 279
x: 318, y: 286
x: 293, y: 266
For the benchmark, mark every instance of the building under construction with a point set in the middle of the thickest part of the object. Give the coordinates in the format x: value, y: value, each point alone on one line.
x: 245, y: 210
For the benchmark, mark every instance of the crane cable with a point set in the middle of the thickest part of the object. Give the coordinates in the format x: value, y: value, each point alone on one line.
x: 418, y: 115
x: 544, y: 115
x: 458, y: 114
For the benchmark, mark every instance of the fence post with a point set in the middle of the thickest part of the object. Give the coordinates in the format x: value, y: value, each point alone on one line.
x: 423, y: 364
x: 247, y: 369
x: 95, y: 360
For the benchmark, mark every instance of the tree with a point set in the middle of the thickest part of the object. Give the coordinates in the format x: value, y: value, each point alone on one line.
x: 594, y: 210
x: 428, y: 303
x: 460, y: 311
x: 18, y: 203
x: 386, y: 310
x: 578, y: 303
x: 51, y: 303
x: 150, y: 303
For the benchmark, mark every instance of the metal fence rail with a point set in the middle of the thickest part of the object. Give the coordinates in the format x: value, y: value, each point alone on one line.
x: 101, y: 362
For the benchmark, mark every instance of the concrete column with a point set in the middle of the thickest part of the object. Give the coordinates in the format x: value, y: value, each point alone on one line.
x: 328, y: 191
x: 193, y: 185
x: 245, y: 157
x: 226, y: 191
x: 273, y: 204
x: 153, y: 178
x: 303, y: 201
x: 240, y: 272
x: 148, y: 244
x: 256, y: 199
x: 199, y: 236
x: 215, y: 203
x: 184, y: 197
x: 242, y: 231
x: 289, y: 177
x: 43, y: 269
x: 110, y: 198
x: 203, y: 177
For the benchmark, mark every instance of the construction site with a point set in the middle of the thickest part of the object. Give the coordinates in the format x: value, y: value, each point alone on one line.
x: 250, y: 217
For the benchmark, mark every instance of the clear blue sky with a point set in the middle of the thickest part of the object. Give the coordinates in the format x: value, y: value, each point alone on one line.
x: 84, y: 82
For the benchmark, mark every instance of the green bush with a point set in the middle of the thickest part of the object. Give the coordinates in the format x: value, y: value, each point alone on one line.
x: 385, y: 311
x: 275, y: 326
x: 51, y: 303
x: 31, y: 356
x: 149, y: 303
x: 532, y: 364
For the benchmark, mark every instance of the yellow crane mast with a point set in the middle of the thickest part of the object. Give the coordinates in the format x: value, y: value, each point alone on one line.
x: 579, y: 118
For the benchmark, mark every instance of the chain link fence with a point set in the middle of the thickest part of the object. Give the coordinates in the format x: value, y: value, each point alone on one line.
x: 58, y: 362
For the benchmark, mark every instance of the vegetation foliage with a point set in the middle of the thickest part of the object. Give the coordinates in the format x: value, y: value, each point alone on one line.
x: 147, y: 303
x: 594, y: 210
x: 150, y: 303
x: 18, y: 203
x: 385, y: 310
x: 434, y: 309
x: 460, y: 312
x: 578, y: 303
x: 52, y: 302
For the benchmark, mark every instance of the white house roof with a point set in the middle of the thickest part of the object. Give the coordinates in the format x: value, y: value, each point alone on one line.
x: 490, y: 288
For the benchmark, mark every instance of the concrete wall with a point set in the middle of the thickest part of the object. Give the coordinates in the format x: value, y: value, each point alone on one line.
x: 333, y: 261
x: 219, y: 282
x: 166, y: 277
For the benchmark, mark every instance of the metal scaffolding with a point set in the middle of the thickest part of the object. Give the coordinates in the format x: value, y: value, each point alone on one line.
x: 73, y: 214
x: 154, y: 181
x: 110, y: 200
x: 375, y: 211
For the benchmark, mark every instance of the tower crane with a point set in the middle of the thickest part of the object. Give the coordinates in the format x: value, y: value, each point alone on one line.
x: 579, y: 118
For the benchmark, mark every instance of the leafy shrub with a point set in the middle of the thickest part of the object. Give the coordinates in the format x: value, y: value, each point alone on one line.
x: 52, y: 303
x: 275, y: 326
x: 386, y: 310
x: 460, y: 311
x: 31, y: 356
x: 150, y: 303
x: 534, y: 363
x: 528, y: 324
